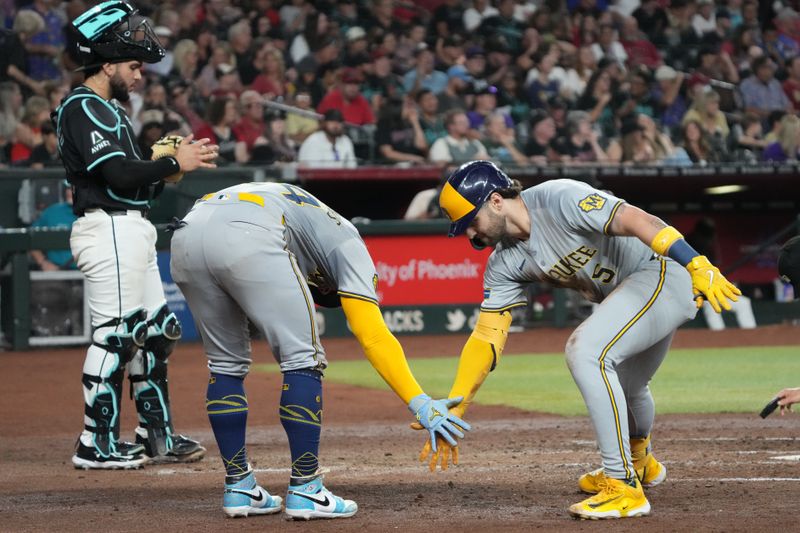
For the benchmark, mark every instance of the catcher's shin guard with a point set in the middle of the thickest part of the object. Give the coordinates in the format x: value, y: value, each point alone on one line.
x: 148, y: 375
x: 103, y: 381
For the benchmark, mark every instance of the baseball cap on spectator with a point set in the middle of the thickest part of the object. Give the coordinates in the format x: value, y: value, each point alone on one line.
x: 498, y: 43
x: 475, y: 51
x: 459, y: 71
x: 378, y: 53
x: 697, y: 78
x: 333, y: 115
x: 453, y: 40
x: 557, y: 102
x: 148, y: 117
x: 162, y: 31
x: 357, y: 59
x: 723, y: 13
x: 351, y: 75
x: 421, y: 47
x: 665, y: 72
x: 250, y: 97
x: 482, y: 89
x: 307, y: 65
x: 355, y: 33
x: 225, y: 68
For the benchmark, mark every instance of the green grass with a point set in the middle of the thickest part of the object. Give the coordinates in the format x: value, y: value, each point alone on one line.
x: 690, y: 381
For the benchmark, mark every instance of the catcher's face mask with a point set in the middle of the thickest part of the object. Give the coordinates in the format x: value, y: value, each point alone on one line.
x: 112, y: 33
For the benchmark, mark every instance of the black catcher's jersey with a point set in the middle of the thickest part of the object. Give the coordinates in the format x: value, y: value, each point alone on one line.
x: 91, y: 131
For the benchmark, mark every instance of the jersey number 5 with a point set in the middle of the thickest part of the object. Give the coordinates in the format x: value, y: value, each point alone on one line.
x: 603, y: 274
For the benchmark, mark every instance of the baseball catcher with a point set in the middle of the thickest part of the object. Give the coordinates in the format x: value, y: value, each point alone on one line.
x: 113, y: 243
x: 646, y: 279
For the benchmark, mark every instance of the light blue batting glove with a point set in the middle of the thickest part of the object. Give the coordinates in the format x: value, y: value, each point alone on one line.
x: 435, y: 416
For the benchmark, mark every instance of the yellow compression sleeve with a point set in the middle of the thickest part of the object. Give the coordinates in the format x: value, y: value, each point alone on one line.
x: 480, y: 355
x: 382, y: 349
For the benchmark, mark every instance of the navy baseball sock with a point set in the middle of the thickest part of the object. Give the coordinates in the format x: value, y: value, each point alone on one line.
x: 301, y: 417
x: 226, y: 404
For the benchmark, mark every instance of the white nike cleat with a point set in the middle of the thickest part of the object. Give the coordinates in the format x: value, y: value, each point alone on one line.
x: 244, y: 497
x: 313, y: 500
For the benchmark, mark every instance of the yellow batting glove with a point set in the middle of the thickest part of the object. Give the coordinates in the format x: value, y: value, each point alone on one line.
x: 709, y: 283
x: 445, y: 452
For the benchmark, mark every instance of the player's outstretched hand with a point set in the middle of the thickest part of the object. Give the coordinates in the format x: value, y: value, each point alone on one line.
x: 444, y: 454
x: 435, y: 416
x: 708, y: 283
x: 787, y: 398
x: 192, y: 155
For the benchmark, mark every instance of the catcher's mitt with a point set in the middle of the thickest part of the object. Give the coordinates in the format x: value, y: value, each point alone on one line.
x: 165, y: 147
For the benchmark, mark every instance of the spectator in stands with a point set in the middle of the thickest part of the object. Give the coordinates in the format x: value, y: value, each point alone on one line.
x: 356, y: 46
x: 543, y: 82
x: 152, y: 129
x: 459, y: 82
x: 382, y: 17
x: 155, y: 97
x: 499, y: 58
x: 539, y: 148
x: 456, y: 147
x: 228, y: 81
x: 240, y: 37
x: 431, y: 121
x: 504, y: 24
x: 500, y: 141
x: 791, y: 85
x: 448, y: 18
x: 475, y: 62
x: 411, y: 39
x: 185, y: 67
x: 271, y: 79
x: 55, y: 91
x: 671, y: 103
x: 299, y: 126
x: 483, y: 105
x: 28, y: 133
x: 319, y: 61
x: 704, y: 21
x: 747, y: 139
x: 511, y: 96
x: 582, y: 144
x: 742, y: 49
x: 705, y: 111
x: 479, y: 11
x: 380, y: 83
x: 664, y: 151
x: 345, y: 14
x: 329, y: 147
x: 347, y: 98
x: 578, y: 69
x: 183, y: 101
x: 222, y: 116
x: 633, y: 147
x: 423, y: 75
x: 162, y: 68
x: 777, y: 46
x: 58, y: 215
x: 45, y: 47
x: 205, y: 37
x: 14, y: 59
x: 653, y: 21
x: 608, y: 45
x: 284, y: 149
x: 774, y: 125
x: 785, y: 148
x: 449, y: 51
x: 697, y: 144
x: 761, y: 92
x: 638, y: 47
x: 399, y: 136
x: 251, y: 126
x: 45, y: 154
x: 641, y: 95
x: 596, y: 99
x: 206, y: 82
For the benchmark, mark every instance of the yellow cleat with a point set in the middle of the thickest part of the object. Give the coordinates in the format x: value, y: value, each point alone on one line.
x: 652, y: 473
x: 616, y: 499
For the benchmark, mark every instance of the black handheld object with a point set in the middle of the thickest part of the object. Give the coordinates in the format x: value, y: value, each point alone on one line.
x: 771, y: 406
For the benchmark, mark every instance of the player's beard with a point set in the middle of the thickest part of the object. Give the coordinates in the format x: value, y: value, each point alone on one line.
x: 119, y: 89
x: 494, y: 234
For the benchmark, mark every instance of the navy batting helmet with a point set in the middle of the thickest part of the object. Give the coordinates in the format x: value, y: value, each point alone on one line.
x: 789, y: 264
x: 112, y: 33
x: 466, y: 190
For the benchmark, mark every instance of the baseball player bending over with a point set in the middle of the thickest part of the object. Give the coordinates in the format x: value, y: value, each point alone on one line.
x: 113, y: 243
x: 267, y: 252
x: 640, y: 271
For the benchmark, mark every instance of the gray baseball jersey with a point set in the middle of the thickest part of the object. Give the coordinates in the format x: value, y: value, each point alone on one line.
x: 250, y: 251
x: 642, y: 299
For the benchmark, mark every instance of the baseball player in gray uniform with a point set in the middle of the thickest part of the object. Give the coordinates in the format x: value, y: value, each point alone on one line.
x: 267, y: 252
x: 638, y: 269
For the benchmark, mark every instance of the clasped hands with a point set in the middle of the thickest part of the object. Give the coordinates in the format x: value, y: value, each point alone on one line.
x: 442, y: 419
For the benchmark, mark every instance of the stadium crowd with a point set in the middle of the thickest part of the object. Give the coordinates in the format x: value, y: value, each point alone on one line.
x: 674, y: 82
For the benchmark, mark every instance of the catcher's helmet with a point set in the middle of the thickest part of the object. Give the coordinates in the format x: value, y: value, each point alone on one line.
x: 467, y: 188
x: 112, y: 33
x: 789, y: 264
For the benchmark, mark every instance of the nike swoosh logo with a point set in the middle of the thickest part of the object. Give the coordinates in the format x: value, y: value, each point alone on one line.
x: 596, y: 505
x: 325, y: 501
x: 522, y: 264
x: 256, y: 495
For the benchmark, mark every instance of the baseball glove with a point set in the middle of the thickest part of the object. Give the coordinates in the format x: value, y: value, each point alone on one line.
x: 165, y: 147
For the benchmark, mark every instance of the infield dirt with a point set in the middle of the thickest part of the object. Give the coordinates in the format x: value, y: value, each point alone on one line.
x: 518, y: 470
